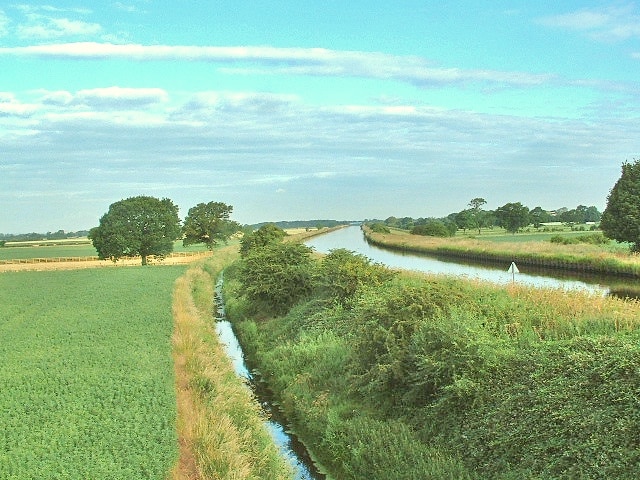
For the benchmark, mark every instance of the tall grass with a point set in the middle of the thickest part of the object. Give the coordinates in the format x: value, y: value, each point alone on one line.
x: 577, y: 257
x: 221, y: 424
x: 435, y: 377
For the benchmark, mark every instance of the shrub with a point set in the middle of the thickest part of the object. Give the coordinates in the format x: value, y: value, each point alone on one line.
x: 379, y: 228
x: 433, y: 228
x: 344, y: 272
x: 277, y: 276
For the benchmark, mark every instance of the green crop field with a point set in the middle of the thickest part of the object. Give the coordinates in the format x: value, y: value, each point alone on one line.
x: 86, y: 375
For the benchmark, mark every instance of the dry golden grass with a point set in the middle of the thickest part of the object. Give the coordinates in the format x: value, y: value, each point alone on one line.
x: 220, y: 425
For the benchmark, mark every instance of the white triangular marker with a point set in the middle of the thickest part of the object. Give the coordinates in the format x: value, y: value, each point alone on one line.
x: 513, y: 268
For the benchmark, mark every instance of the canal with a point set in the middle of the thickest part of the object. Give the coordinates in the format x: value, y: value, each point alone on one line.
x: 353, y: 239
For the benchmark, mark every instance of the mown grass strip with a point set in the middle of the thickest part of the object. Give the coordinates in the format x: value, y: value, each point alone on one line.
x: 220, y: 424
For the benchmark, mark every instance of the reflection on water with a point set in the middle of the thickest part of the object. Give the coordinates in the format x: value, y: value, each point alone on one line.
x: 290, y: 447
x: 353, y: 239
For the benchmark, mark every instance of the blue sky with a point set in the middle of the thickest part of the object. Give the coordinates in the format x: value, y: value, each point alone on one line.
x: 307, y: 109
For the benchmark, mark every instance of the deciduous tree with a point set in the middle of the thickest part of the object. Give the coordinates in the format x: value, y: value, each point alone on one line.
x: 621, y: 217
x: 208, y: 223
x: 512, y: 216
x: 137, y: 226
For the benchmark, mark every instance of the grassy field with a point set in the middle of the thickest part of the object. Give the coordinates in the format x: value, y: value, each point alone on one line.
x: 73, y: 248
x: 86, y: 377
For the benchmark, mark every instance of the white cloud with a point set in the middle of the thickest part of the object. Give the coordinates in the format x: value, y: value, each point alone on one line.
x: 4, y: 24
x: 41, y: 27
x: 611, y: 23
x: 297, y: 61
x: 120, y: 97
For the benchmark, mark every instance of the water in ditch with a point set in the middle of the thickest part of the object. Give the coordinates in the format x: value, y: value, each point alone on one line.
x: 290, y: 447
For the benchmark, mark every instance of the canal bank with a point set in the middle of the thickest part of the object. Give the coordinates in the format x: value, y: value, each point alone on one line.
x: 289, y: 445
x: 598, y: 263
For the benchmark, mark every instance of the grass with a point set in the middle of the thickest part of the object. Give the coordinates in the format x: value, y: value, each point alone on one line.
x: 609, y: 259
x: 221, y: 424
x: 62, y: 249
x: 86, y: 378
x: 437, y: 377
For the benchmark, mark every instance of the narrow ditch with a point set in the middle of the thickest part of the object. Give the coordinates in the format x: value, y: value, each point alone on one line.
x: 291, y: 448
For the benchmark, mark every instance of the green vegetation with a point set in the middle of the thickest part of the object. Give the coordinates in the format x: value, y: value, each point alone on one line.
x: 587, y: 256
x: 621, y: 217
x: 209, y: 224
x: 86, y: 378
x: 432, y: 377
x: 135, y: 226
x: 70, y: 249
x: 219, y: 419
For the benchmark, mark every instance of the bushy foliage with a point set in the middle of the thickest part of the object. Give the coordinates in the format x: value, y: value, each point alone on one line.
x: 265, y: 235
x: 433, y: 228
x: 379, y: 227
x: 277, y: 276
x: 592, y: 239
x: 482, y: 381
x: 343, y: 273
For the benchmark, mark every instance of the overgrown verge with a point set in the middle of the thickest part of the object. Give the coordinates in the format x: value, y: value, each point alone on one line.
x: 412, y: 376
x: 571, y: 257
x: 220, y: 424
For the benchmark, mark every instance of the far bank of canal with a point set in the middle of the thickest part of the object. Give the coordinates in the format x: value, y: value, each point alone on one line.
x: 352, y: 238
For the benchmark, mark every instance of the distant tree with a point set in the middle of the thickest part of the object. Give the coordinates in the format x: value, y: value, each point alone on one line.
x: 137, y: 226
x: 464, y: 220
x: 621, y: 217
x: 477, y: 214
x: 208, y: 223
x: 512, y: 216
x: 265, y: 235
x: 592, y: 214
x: 2, y: 243
x: 538, y: 216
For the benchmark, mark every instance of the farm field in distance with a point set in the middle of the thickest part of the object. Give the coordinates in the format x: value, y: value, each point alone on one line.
x: 76, y: 247
x: 86, y: 375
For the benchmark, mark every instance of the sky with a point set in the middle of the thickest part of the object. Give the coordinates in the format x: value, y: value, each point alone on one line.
x: 300, y: 110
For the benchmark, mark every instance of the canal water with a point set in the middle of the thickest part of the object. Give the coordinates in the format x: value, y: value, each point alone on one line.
x: 353, y: 239
x: 290, y: 447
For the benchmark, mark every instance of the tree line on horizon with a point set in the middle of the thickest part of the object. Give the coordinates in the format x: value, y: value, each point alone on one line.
x: 511, y: 216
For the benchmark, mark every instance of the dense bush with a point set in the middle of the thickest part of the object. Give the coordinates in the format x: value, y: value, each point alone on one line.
x: 379, y: 227
x: 344, y: 273
x: 591, y: 238
x: 277, y: 276
x: 456, y: 379
x: 434, y: 228
x: 265, y: 235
